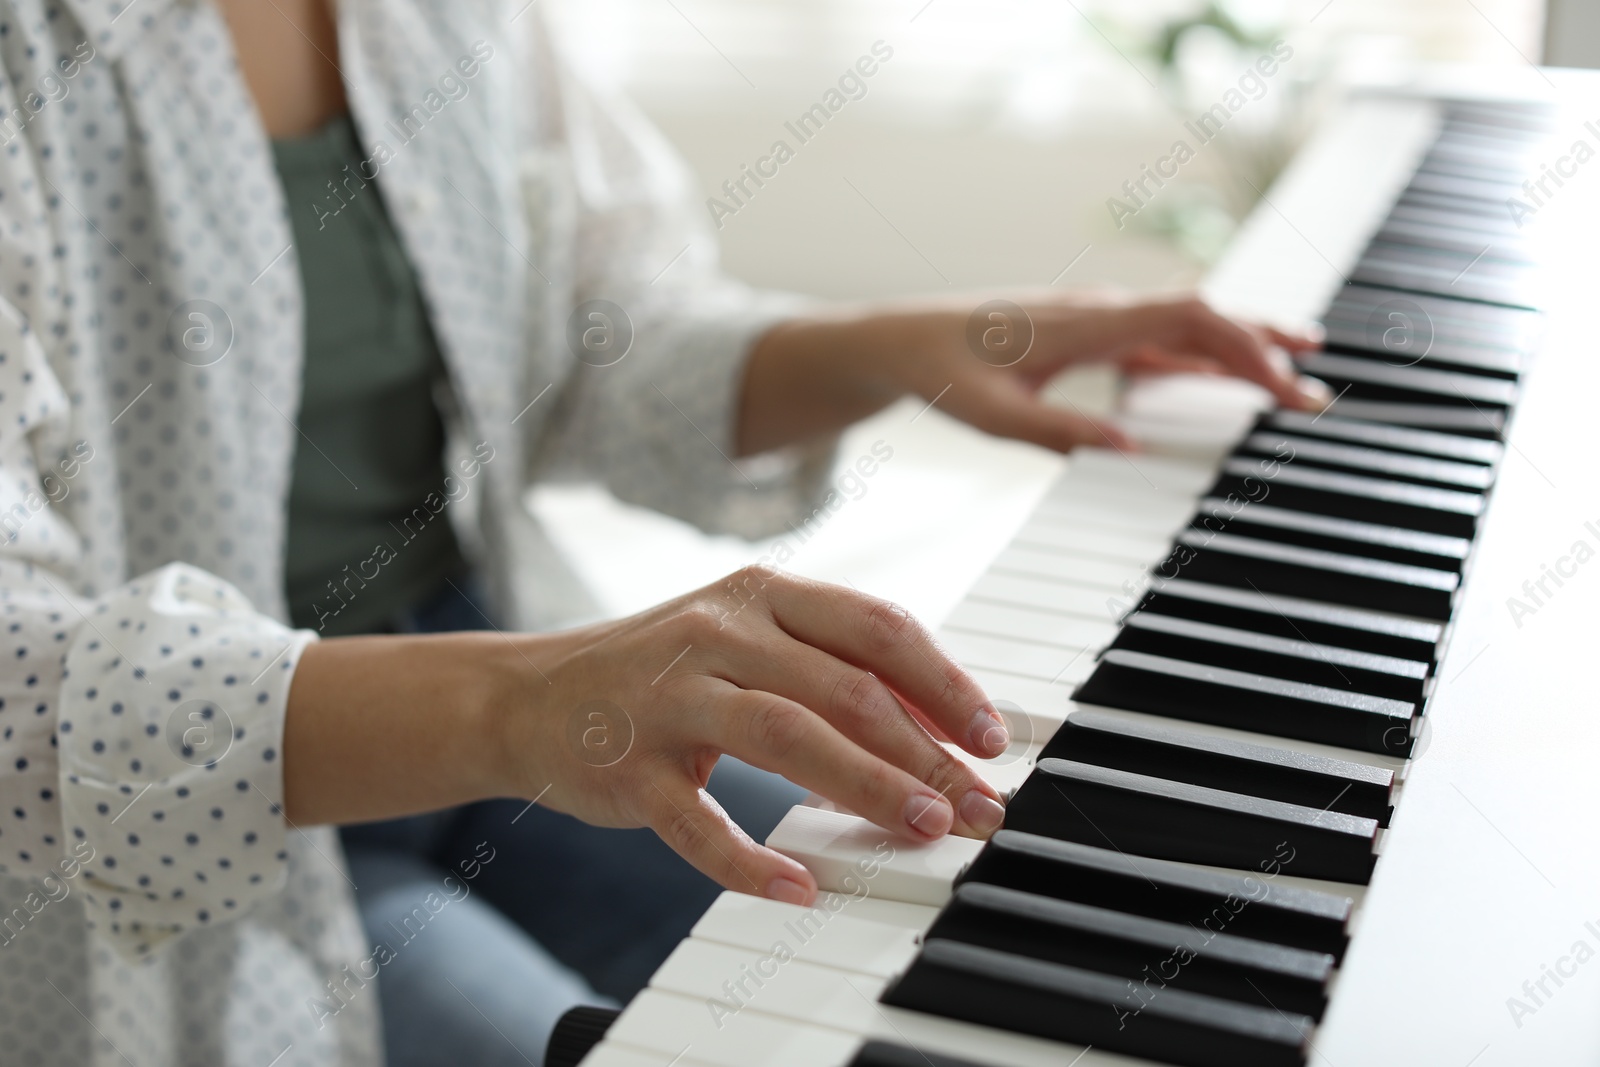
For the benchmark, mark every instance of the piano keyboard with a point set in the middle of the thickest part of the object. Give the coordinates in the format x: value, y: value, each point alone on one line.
x: 1217, y: 675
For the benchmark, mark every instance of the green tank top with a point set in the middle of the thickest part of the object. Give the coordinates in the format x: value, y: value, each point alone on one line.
x: 362, y: 543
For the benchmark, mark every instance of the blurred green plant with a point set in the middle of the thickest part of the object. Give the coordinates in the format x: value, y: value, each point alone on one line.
x: 1200, y: 212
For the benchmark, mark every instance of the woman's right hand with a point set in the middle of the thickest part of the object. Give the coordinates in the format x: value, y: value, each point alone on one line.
x: 621, y: 723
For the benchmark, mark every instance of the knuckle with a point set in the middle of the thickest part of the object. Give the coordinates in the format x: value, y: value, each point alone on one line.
x: 749, y: 582
x: 858, y: 699
x: 681, y: 831
x: 886, y: 625
x: 949, y: 775
x: 956, y: 685
x: 700, y: 621
x: 776, y: 726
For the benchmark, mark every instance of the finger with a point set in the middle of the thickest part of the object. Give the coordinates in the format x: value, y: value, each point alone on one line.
x: 867, y: 714
x: 1151, y: 361
x: 1307, y: 340
x: 695, y: 827
x: 1000, y: 407
x: 1241, y: 351
x: 1246, y: 354
x: 883, y: 638
x: 779, y: 735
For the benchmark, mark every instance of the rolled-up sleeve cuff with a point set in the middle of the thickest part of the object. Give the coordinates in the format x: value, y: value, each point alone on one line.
x: 662, y: 430
x: 171, y: 749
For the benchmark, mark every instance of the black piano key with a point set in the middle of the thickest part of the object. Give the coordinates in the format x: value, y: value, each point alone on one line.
x: 1449, y: 241
x: 1446, y: 272
x: 1394, y: 438
x: 1164, y: 750
x: 1491, y: 226
x: 1462, y: 319
x: 1135, y: 948
x: 1449, y: 418
x: 1336, y: 577
x: 1171, y: 820
x: 1276, y: 657
x: 1521, y: 292
x: 1471, y: 188
x: 1180, y: 689
x: 576, y: 1034
x: 1453, y: 259
x: 1384, y: 633
x: 1335, y: 535
x: 1248, y: 905
x: 1463, y: 161
x: 1415, y: 350
x: 885, y: 1054
x: 1470, y: 211
x: 979, y: 985
x: 1351, y: 496
x: 1402, y: 336
x: 1423, y: 230
x: 1380, y: 380
x: 1396, y: 465
x: 1410, y: 328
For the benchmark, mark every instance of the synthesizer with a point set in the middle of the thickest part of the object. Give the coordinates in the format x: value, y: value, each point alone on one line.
x: 1302, y: 723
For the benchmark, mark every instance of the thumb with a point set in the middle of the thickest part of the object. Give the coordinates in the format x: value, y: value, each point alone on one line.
x: 695, y: 827
x: 1005, y: 409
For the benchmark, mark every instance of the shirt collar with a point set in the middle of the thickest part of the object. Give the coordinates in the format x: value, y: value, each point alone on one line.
x: 112, y: 25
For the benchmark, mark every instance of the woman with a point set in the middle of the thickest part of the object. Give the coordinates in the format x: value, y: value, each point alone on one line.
x: 294, y: 304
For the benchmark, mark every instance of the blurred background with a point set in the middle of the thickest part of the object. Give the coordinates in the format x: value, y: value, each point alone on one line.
x: 982, y: 154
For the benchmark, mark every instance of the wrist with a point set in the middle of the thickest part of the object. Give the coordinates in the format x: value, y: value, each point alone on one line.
x: 820, y: 373
x: 511, y: 702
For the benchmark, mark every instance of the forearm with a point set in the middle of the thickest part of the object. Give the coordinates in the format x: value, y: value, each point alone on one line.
x: 817, y: 375
x: 380, y: 727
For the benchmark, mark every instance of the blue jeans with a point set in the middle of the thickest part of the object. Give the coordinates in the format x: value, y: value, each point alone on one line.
x: 497, y: 917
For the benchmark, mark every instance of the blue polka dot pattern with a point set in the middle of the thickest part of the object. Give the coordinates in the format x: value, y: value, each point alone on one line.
x: 146, y: 869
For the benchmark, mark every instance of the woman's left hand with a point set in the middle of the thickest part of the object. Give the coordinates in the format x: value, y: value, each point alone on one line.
x: 989, y: 363
x: 993, y: 364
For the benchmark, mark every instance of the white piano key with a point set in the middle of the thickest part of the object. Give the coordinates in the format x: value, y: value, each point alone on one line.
x: 1063, y: 628
x: 1006, y: 771
x: 1190, y: 431
x: 1094, y: 544
x: 899, y: 913
x: 815, y: 1000
x: 847, y: 854
x: 1031, y: 707
x: 1049, y: 663
x: 677, y: 1025
x: 1112, y: 501
x: 1096, y: 507
x: 831, y: 934
x: 1085, y: 602
x: 1023, y: 562
x: 1163, y: 474
x: 773, y: 980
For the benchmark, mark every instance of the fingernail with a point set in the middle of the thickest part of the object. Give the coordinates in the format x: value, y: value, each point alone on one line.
x: 988, y: 733
x: 1314, y: 392
x: 929, y: 814
x: 788, y: 891
x: 982, y: 812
